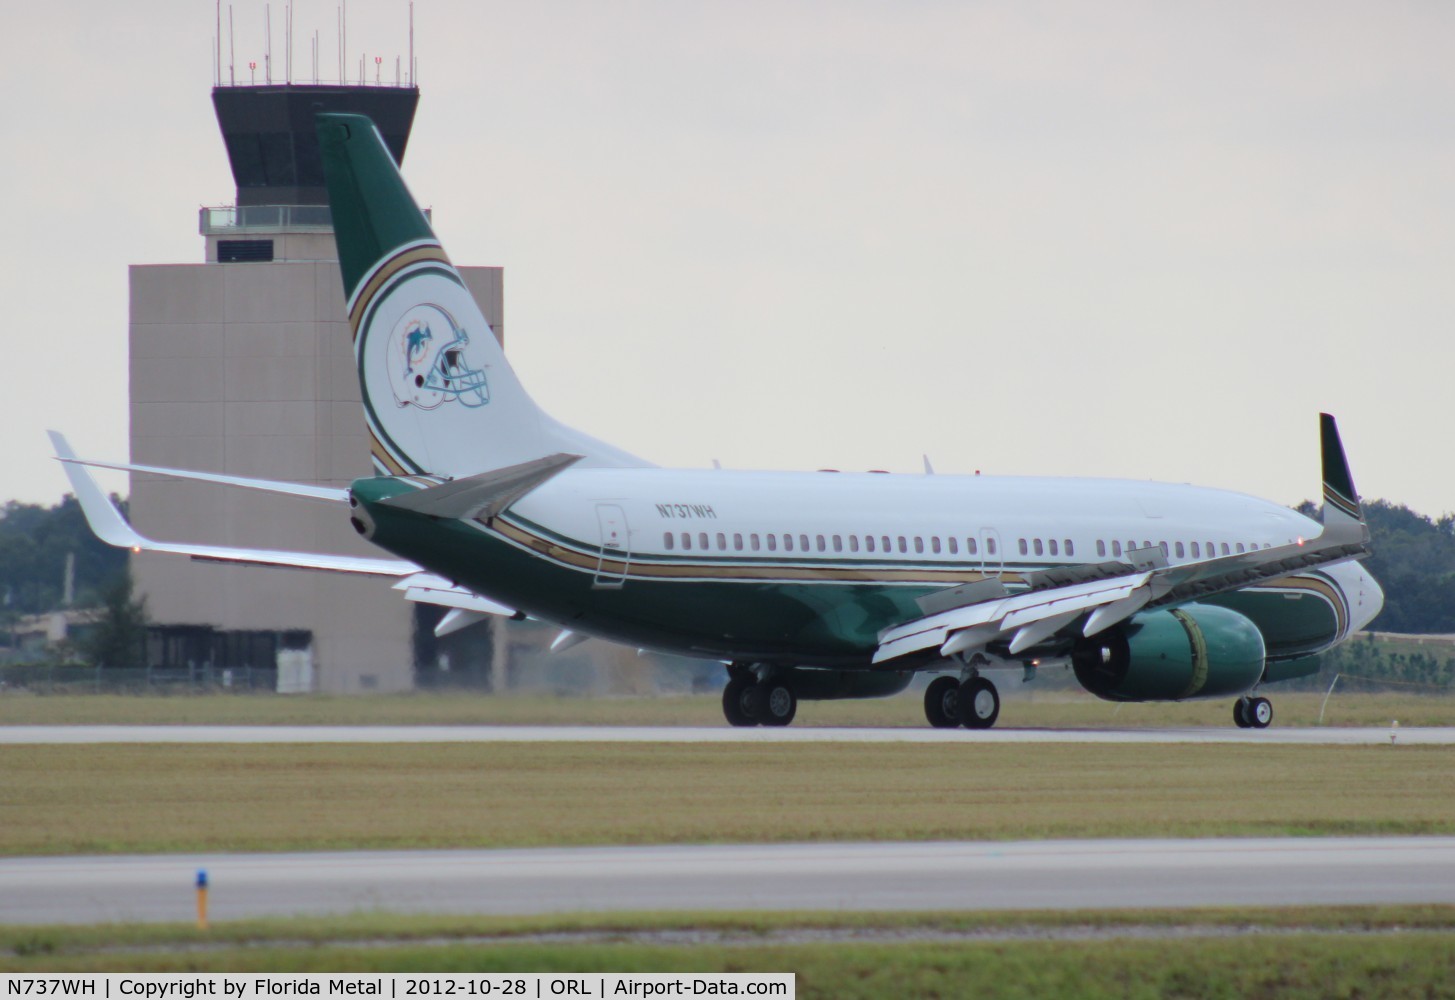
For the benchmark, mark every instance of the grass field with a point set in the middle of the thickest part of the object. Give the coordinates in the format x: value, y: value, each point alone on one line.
x: 1356, y: 952
x: 148, y: 798
x: 1022, y: 707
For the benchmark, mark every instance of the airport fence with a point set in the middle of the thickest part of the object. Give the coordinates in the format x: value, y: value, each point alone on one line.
x: 79, y: 679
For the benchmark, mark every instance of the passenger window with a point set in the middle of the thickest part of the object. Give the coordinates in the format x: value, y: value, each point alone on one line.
x: 903, y: 546
x: 667, y: 540
x: 1037, y: 547
x: 721, y: 542
x: 935, y: 544
x: 868, y: 543
x: 1116, y: 548
x: 686, y: 540
x: 1052, y: 543
x: 853, y: 543
x: 919, y: 544
x: 884, y: 545
x: 737, y: 542
x: 990, y: 546
x: 1165, y: 553
x: 1146, y: 544
x: 787, y: 543
x: 1100, y: 547
x: 821, y: 546
x: 702, y: 541
x: 954, y: 546
x: 1225, y: 549
x: 1179, y: 551
x: 971, y: 546
x: 753, y: 541
x: 1070, y: 551
x: 1196, y: 551
x: 772, y: 542
x: 802, y: 543
x: 1240, y: 547
x: 1025, y: 548
x: 838, y: 543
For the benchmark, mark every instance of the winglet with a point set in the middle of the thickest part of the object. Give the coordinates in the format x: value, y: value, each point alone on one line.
x: 1341, y: 502
x: 101, y: 514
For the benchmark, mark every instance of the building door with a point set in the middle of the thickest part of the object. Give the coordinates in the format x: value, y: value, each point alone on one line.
x: 615, y: 559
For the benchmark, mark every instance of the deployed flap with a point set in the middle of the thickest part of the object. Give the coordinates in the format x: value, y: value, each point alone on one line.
x: 108, y: 524
x: 427, y: 588
x: 484, y: 495
x: 996, y: 616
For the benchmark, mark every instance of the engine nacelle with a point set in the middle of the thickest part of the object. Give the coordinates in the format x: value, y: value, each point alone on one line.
x: 1195, y: 651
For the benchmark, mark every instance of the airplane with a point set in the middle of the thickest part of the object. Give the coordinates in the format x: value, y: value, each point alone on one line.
x: 806, y: 585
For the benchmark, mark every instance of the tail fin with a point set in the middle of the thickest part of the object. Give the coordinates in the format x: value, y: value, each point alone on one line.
x: 439, y: 396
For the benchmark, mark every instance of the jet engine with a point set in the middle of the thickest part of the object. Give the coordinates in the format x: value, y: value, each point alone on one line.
x: 1195, y: 651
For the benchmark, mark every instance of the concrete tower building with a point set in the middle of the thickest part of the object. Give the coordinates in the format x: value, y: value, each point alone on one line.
x: 242, y: 364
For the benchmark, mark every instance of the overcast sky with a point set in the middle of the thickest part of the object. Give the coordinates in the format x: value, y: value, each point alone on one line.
x: 1144, y: 240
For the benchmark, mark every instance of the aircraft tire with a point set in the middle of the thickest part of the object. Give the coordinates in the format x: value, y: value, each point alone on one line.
x: 1240, y: 713
x: 779, y: 703
x: 979, y: 703
x: 1260, y: 713
x: 942, y: 702
x: 738, y: 701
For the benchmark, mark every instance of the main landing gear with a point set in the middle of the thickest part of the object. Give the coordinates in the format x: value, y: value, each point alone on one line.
x: 975, y: 703
x: 1252, y: 713
x: 748, y: 701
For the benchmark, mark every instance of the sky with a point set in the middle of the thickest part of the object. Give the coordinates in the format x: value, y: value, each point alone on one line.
x: 1128, y: 239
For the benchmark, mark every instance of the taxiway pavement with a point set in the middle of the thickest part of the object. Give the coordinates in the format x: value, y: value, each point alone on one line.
x: 1063, y: 875
x: 1313, y: 736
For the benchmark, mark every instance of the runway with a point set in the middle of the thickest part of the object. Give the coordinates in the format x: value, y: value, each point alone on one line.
x: 1313, y: 736
x: 1060, y: 875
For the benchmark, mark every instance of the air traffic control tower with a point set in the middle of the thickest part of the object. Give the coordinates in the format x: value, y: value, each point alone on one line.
x: 242, y: 364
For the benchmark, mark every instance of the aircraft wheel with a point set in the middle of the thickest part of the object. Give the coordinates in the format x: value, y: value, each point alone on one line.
x: 779, y: 703
x: 942, y: 703
x: 738, y: 701
x: 1240, y: 713
x: 1260, y: 713
x: 979, y: 703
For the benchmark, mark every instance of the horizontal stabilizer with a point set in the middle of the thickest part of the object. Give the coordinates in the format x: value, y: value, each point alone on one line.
x: 483, y: 495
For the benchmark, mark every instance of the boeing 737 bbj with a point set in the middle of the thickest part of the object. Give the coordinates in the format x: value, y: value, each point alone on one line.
x: 806, y: 585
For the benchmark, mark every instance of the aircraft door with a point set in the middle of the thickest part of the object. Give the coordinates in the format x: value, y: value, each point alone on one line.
x: 615, y: 559
x: 992, y: 556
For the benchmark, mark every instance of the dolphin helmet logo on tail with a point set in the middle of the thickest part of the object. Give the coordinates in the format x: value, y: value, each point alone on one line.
x: 431, y: 369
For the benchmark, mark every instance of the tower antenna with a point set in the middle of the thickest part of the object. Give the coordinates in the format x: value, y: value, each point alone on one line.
x: 217, y: 66
x: 268, y: 48
x: 231, y: 51
x: 411, y: 43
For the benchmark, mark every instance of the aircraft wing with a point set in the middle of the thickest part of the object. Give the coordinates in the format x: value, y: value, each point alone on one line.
x: 109, y: 526
x: 1099, y: 596
x: 330, y: 493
